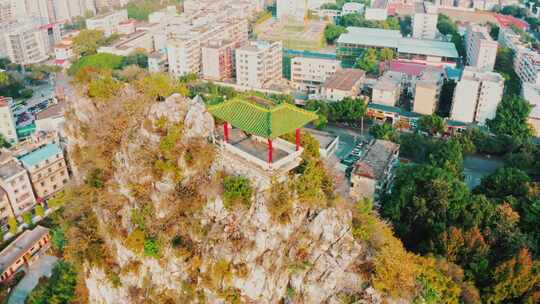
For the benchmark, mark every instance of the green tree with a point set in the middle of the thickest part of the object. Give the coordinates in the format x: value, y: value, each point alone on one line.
x: 323, y: 111
x: 505, y: 182
x: 386, y: 54
x: 87, y: 42
x: 104, y: 87
x: 27, y: 218
x: 3, y: 142
x: 13, y: 225
x: 40, y: 211
x: 102, y: 61
x: 447, y: 155
x: 350, y: 110
x: 424, y: 202
x: 332, y: 32
x: 431, y: 124
x: 4, y: 78
x: 383, y: 131
x: 368, y: 61
x: 511, y: 119
x: 504, y: 64
x: 59, y: 289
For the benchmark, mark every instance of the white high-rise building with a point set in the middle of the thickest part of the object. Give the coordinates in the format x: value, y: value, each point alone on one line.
x: 25, y: 43
x: 424, y: 21
x: 481, y: 49
x: 69, y: 9
x: 259, y: 64
x: 108, y: 23
x: 7, y: 120
x: 477, y: 96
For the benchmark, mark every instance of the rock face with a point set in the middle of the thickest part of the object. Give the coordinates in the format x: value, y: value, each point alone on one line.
x: 308, y: 260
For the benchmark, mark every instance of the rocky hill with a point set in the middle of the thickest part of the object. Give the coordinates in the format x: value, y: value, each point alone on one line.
x: 151, y: 221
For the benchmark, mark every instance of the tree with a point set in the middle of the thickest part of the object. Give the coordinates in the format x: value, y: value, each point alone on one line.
x: 13, y: 225
x: 160, y: 85
x: 511, y: 119
x: 40, y: 211
x: 431, y: 124
x: 386, y: 54
x: 3, y: 142
x: 97, y: 62
x: 368, y: 61
x: 323, y: 111
x: 424, y: 202
x: 504, y: 64
x: 505, y: 182
x: 348, y: 110
x: 104, y: 87
x: 60, y: 288
x: 4, y: 78
x: 332, y: 33
x: 447, y: 155
x: 383, y: 131
x: 237, y: 190
x: 87, y: 42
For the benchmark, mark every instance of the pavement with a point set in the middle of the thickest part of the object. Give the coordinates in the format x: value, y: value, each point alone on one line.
x: 40, y: 268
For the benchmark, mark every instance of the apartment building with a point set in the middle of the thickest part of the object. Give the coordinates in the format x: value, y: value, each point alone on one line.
x: 531, y: 93
x: 374, y: 172
x: 477, y: 96
x: 108, y: 23
x: 185, y: 41
x: 526, y: 60
x: 6, y: 11
x: 218, y: 62
x: 344, y: 83
x: 424, y: 20
x: 481, y: 49
x: 7, y: 120
x: 377, y: 11
x: 427, y: 90
x: 66, y: 10
x: 16, y: 183
x: 308, y: 74
x: 25, y: 43
x: 47, y: 169
x: 259, y: 64
x: 5, y: 209
x: 387, y: 89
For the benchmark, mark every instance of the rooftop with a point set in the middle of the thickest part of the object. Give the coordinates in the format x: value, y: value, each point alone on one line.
x: 531, y: 93
x: 399, y: 111
x: 56, y: 110
x: 507, y: 20
x: 376, y: 159
x: 41, y: 154
x: 10, y: 169
x: 408, y: 68
x: 382, y: 38
x: 344, y: 79
x: 262, y: 117
x: 389, y: 81
x: 20, y: 246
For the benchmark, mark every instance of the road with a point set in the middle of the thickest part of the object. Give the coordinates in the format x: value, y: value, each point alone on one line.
x: 42, y: 267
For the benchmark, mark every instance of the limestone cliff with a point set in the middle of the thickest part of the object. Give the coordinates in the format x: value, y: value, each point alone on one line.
x: 167, y: 236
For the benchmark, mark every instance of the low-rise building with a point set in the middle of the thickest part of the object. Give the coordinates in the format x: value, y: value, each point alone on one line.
x: 352, y: 8
x: 424, y: 20
x: 427, y: 91
x: 387, y: 89
x: 377, y: 11
x: 64, y: 50
x: 51, y: 119
x: 344, y: 83
x: 259, y: 64
x: 7, y: 120
x: 108, y: 23
x: 481, y: 49
x: 218, y: 62
x: 24, y: 250
x: 374, y: 172
x: 130, y: 43
x: 477, y: 96
x: 16, y: 183
x: 47, y: 169
x: 5, y: 209
x: 308, y: 73
x: 531, y: 93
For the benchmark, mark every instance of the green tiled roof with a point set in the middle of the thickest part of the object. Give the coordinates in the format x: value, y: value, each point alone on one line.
x: 262, y: 117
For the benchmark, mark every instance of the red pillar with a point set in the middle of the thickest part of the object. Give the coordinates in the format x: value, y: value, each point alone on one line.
x: 270, y: 151
x: 226, y: 131
x: 297, y: 139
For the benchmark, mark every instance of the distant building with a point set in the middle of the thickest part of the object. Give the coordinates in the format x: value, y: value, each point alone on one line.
x: 344, y: 83
x: 387, y: 89
x: 24, y: 43
x: 352, y: 44
x: 352, y: 8
x: 374, y: 172
x: 424, y: 20
x: 531, y: 93
x: 377, y: 11
x: 24, y: 250
x: 308, y: 74
x: 481, y: 49
x: 427, y: 91
x: 526, y: 60
x: 157, y: 62
x: 477, y: 96
x: 130, y: 43
x: 297, y: 10
x: 259, y: 64
x: 47, y: 168
x: 218, y: 62
x: 7, y: 120
x: 16, y: 183
x: 108, y: 23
